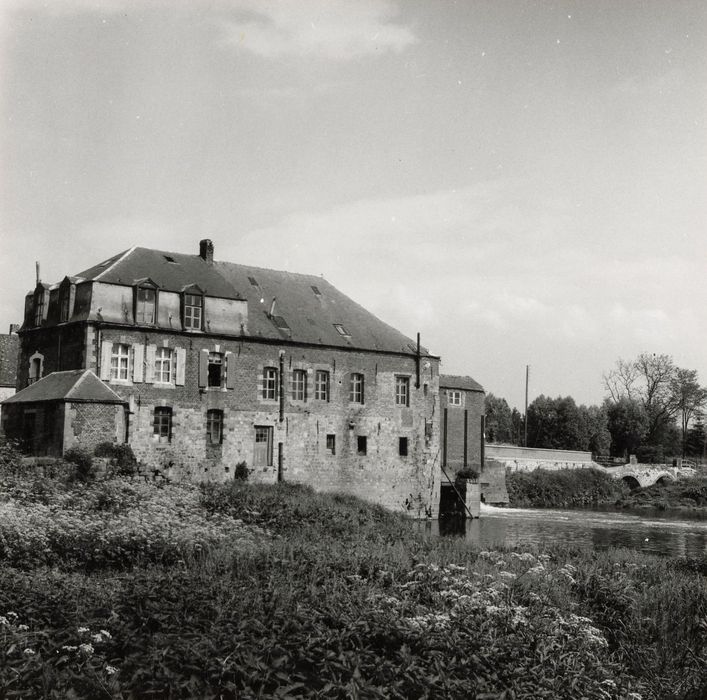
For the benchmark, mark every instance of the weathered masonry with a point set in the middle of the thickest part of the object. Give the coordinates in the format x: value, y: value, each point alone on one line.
x: 215, y: 364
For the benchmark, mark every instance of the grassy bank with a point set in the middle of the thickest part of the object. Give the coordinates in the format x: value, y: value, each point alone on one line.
x: 118, y: 589
x: 563, y: 488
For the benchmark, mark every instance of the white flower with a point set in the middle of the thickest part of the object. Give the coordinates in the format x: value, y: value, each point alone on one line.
x: 12, y: 615
x: 29, y: 652
x: 106, y: 634
x: 97, y: 638
x: 86, y: 649
x: 22, y: 628
x: 4, y: 620
x: 110, y: 670
x: 83, y: 630
x: 69, y: 647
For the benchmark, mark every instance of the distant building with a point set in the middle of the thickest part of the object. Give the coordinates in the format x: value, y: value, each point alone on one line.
x: 9, y: 350
x: 201, y: 365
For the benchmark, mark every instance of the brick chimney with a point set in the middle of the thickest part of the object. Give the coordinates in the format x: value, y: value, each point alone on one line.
x: 206, y: 250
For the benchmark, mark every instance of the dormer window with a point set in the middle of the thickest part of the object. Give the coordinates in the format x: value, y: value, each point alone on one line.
x: 145, y: 306
x: 193, y: 311
x: 66, y: 298
x: 39, y: 309
x: 341, y: 330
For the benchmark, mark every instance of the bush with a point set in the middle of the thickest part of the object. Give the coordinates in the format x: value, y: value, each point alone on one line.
x: 121, y: 456
x: 10, y: 457
x: 83, y: 460
x: 241, y: 472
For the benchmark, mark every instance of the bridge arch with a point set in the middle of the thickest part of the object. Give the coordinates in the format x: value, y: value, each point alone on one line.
x: 631, y: 481
x: 663, y: 478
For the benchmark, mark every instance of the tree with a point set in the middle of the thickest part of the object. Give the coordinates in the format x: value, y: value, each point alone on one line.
x: 627, y: 424
x: 695, y: 441
x: 499, y: 425
x: 690, y: 397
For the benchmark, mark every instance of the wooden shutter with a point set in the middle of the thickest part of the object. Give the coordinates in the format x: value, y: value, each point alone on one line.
x: 138, y: 362
x: 106, y: 349
x: 204, y: 368
x: 150, y: 352
x: 180, y: 376
x: 230, y: 362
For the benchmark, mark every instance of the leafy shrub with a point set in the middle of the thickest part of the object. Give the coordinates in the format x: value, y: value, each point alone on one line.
x: 241, y: 472
x: 121, y: 456
x: 10, y: 457
x: 83, y: 460
x: 468, y: 473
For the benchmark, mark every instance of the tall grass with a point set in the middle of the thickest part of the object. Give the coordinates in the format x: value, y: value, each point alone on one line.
x: 331, y: 597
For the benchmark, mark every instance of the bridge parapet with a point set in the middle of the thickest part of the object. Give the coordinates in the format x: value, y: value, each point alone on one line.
x: 649, y: 474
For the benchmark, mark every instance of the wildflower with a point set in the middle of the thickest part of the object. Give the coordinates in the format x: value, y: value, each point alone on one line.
x: 83, y: 630
x: 29, y: 652
x: 537, y: 569
x: 4, y: 620
x: 86, y: 649
x: 12, y: 615
x: 106, y: 634
x: 507, y: 575
x: 69, y: 647
x: 110, y: 670
x: 97, y: 638
x: 22, y: 628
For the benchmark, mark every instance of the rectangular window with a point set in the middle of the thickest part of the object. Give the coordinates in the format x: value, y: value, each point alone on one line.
x: 215, y: 368
x: 214, y: 427
x: 39, y: 310
x: 299, y: 385
x: 163, y: 365
x: 331, y: 444
x: 193, y: 304
x: 403, y: 447
x: 362, y: 446
x: 65, y: 302
x: 402, y: 391
x: 455, y: 398
x: 356, y: 389
x: 262, y: 453
x: 119, y: 361
x: 269, y: 383
x: 145, y: 306
x: 321, y: 385
x: 163, y: 423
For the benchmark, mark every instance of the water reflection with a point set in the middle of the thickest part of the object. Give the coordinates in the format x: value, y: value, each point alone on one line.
x: 662, y: 533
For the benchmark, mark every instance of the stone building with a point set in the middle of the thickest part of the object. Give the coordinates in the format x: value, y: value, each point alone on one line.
x: 9, y: 348
x: 218, y: 364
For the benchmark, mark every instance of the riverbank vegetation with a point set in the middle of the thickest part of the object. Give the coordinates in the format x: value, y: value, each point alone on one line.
x: 563, y: 488
x: 117, y: 588
x: 690, y: 494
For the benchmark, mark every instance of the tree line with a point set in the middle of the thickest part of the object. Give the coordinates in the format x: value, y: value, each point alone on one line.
x: 653, y: 409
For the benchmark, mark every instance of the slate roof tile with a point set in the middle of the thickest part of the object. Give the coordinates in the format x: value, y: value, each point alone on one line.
x: 70, y: 385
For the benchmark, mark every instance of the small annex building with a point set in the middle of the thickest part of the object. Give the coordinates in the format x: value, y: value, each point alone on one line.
x: 64, y: 410
x: 216, y: 364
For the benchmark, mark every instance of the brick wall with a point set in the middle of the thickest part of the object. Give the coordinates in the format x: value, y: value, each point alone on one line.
x: 467, y: 417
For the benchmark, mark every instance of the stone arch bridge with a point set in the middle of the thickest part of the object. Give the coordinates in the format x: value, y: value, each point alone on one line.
x: 635, y: 475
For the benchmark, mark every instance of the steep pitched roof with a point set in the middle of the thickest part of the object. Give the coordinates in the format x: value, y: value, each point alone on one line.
x: 451, y: 381
x: 80, y: 385
x: 307, y: 308
x: 170, y: 271
x: 9, y: 350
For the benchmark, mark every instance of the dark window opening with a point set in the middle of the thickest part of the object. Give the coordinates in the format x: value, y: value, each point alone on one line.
x: 341, y: 330
x: 403, y: 447
x: 214, y: 427
x: 280, y: 323
x: 362, y: 447
x: 169, y: 258
x: 163, y: 423
x: 253, y: 281
x: 215, y: 369
x: 331, y: 444
x: 316, y: 290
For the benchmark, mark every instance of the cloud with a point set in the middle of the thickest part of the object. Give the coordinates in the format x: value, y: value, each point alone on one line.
x: 333, y: 29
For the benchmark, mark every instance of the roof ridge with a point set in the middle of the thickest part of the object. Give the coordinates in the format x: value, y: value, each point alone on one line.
x: 122, y: 257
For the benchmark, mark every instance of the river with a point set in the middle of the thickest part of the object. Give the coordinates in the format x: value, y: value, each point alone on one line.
x: 675, y: 534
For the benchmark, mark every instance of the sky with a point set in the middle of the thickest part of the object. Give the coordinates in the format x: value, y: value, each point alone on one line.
x: 522, y: 182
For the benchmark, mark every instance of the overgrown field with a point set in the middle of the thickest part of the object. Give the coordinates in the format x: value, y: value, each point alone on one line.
x: 562, y: 488
x: 118, y: 589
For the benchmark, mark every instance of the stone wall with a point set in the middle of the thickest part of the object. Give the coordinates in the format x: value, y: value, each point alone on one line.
x: 407, y: 482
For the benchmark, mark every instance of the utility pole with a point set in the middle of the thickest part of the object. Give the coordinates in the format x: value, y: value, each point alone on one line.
x: 525, y: 414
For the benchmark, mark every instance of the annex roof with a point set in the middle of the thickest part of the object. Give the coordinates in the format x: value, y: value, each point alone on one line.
x: 307, y: 308
x: 80, y: 385
x: 451, y: 381
x: 9, y: 350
